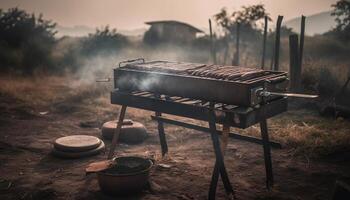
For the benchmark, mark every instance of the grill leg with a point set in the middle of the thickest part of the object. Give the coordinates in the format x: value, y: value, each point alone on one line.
x: 213, y: 182
x: 267, y: 154
x: 117, y: 132
x: 162, y: 138
x: 219, y: 167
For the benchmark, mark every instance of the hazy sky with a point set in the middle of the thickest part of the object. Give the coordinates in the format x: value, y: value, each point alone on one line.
x: 130, y: 14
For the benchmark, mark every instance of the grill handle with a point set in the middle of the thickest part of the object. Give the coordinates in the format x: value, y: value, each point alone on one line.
x: 297, y: 95
x: 264, y: 93
x: 103, y: 80
x: 132, y: 61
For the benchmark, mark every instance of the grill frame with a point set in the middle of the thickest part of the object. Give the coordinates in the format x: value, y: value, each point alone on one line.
x: 209, y: 89
x: 240, y: 117
x: 237, y: 105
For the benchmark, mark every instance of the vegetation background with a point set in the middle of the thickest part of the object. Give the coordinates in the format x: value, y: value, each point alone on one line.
x: 28, y: 46
x: 48, y: 90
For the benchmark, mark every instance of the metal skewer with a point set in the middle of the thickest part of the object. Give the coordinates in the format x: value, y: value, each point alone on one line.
x: 297, y: 95
x: 103, y: 80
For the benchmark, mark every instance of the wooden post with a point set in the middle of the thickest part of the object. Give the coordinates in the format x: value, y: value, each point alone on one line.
x: 301, y: 44
x: 235, y: 60
x: 226, y: 47
x: 264, y: 44
x: 212, y: 48
x: 294, y: 67
x: 277, y: 43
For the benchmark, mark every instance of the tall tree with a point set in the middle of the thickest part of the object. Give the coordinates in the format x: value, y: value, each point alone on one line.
x: 247, y: 17
x: 342, y: 17
x: 243, y: 21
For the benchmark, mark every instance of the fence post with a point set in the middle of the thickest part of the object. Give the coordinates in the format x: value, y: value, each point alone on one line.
x: 264, y: 44
x: 212, y: 49
x: 226, y: 47
x: 301, y: 45
x: 235, y: 60
x: 277, y: 43
x: 294, y: 64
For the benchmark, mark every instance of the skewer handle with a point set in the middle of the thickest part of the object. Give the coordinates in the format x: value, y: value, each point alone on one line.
x: 103, y: 80
x: 296, y: 95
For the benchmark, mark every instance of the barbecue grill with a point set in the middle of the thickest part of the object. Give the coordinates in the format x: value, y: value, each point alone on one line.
x: 228, y: 95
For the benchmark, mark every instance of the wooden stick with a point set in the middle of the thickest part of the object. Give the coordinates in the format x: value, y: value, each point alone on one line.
x: 117, y: 132
x: 277, y: 43
x: 294, y: 69
x: 235, y: 60
x: 226, y: 47
x: 212, y: 49
x: 301, y: 43
x: 264, y: 44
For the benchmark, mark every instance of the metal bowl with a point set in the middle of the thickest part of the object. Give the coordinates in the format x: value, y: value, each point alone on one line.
x: 129, y: 175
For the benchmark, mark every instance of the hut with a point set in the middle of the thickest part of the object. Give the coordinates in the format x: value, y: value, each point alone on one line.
x: 170, y: 31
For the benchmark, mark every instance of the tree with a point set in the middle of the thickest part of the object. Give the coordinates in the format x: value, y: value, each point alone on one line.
x: 247, y: 18
x: 26, y: 41
x: 342, y: 13
x: 244, y: 21
x: 104, y: 40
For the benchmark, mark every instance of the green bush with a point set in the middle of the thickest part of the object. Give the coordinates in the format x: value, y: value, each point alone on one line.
x: 325, y: 46
x: 103, y: 41
x: 26, y: 41
x: 327, y: 83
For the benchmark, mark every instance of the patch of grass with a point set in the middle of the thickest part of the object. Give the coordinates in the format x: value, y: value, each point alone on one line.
x: 35, y: 91
x: 306, y: 133
x: 302, y: 131
x: 58, y: 93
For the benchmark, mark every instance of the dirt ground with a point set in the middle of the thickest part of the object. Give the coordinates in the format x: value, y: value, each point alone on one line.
x: 29, y: 171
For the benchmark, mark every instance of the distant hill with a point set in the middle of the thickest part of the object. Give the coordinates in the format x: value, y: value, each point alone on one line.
x: 315, y: 24
x: 79, y: 31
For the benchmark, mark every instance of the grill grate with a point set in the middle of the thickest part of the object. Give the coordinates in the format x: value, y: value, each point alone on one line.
x: 219, y: 72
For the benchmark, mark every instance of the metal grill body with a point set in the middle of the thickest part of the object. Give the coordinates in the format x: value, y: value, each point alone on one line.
x: 225, y: 95
x: 215, y: 83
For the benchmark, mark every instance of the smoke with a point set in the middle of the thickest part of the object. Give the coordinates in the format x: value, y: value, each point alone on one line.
x: 102, y: 65
x: 144, y: 84
x: 149, y: 82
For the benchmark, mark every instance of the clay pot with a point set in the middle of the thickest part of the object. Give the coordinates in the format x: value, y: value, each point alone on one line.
x: 131, y: 133
x: 131, y: 176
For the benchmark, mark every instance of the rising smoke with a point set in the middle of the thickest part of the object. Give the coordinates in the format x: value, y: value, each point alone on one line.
x: 102, y: 65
